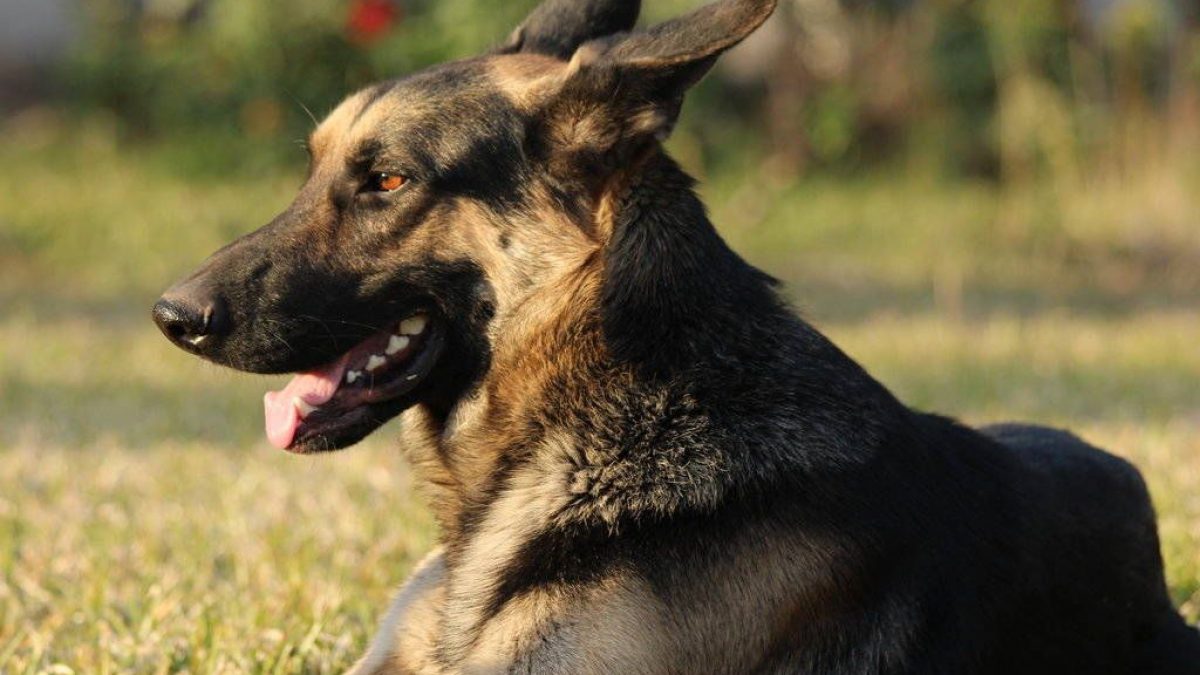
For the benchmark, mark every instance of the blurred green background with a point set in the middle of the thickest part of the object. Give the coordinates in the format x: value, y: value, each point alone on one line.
x: 994, y: 205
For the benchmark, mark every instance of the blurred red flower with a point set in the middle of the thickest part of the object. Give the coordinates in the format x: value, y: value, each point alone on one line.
x: 369, y: 20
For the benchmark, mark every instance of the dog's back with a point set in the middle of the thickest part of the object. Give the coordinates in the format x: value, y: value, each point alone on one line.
x: 1010, y: 549
x: 1098, y: 544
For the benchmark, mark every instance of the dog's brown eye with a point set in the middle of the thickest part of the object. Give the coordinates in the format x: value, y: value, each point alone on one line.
x: 385, y: 182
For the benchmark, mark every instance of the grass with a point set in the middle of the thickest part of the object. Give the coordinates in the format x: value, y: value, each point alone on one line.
x: 146, y: 527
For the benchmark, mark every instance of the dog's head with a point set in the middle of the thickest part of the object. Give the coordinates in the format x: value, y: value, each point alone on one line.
x: 433, y: 205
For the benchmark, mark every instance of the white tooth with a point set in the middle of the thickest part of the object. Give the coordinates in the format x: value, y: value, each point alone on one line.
x: 413, y: 325
x: 397, y: 343
x: 411, y: 377
x: 375, y: 362
x: 303, y: 407
x: 353, y: 375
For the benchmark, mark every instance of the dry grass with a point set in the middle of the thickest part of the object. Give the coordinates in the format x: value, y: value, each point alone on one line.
x: 197, y: 558
x: 146, y: 527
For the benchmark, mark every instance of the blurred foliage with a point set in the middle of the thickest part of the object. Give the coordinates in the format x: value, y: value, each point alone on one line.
x: 257, y: 71
x: 999, y: 88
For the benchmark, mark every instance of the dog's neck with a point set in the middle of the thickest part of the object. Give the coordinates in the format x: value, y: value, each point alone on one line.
x: 607, y: 378
x: 675, y: 296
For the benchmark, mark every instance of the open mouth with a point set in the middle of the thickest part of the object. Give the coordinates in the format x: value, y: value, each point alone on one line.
x: 339, y: 403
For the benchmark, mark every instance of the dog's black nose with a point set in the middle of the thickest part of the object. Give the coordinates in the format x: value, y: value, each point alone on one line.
x: 189, y: 321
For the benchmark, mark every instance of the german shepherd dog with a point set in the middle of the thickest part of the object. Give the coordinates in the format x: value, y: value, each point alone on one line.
x: 640, y: 460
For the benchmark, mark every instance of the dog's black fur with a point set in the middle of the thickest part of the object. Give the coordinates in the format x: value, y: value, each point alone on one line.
x: 724, y: 458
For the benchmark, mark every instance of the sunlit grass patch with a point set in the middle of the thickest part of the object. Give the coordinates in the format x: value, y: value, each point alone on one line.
x: 198, y: 558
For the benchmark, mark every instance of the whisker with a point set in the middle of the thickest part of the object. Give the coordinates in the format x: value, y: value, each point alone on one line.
x: 303, y: 107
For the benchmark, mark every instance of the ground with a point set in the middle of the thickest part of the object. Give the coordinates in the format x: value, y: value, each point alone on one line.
x: 145, y: 525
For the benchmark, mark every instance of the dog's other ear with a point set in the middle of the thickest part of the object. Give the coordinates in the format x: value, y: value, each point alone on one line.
x: 558, y: 27
x: 646, y: 73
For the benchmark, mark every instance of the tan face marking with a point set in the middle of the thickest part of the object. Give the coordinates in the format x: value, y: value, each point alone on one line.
x: 356, y: 119
x: 526, y: 79
x: 329, y: 136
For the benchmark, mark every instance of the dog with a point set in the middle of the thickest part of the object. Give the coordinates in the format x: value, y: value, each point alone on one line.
x: 640, y: 459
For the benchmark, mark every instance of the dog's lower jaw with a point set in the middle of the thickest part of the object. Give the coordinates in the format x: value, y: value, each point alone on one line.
x: 339, y: 403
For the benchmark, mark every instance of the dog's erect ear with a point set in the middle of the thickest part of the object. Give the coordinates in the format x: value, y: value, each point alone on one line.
x: 631, y: 85
x: 558, y: 27
x: 679, y: 52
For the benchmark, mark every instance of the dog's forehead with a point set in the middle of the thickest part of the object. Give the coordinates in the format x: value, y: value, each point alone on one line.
x: 461, y: 93
x: 385, y: 106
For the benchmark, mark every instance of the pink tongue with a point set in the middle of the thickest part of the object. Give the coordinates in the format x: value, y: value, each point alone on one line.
x: 314, y: 387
